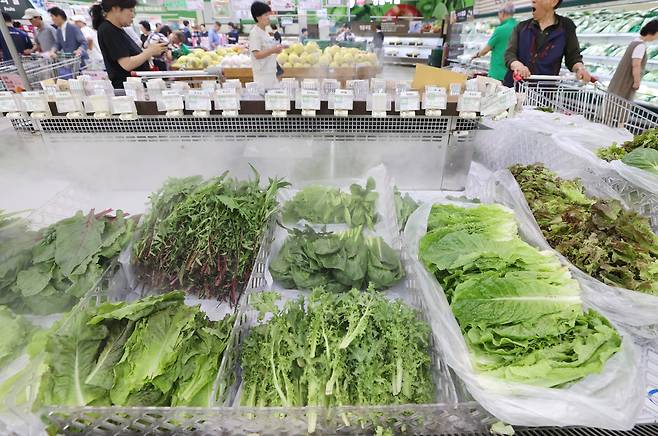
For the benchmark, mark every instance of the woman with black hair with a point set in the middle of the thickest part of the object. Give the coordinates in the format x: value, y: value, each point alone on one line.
x: 120, y: 53
x: 629, y: 72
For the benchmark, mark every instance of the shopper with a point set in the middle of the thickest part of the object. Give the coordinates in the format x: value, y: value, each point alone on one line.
x: 233, y: 34
x: 303, y: 37
x: 628, y: 75
x: 345, y: 34
x: 378, y: 42
x: 44, y: 34
x: 93, y: 51
x: 70, y: 39
x: 177, y: 47
x: 187, y: 34
x: 538, y: 45
x: 263, y: 48
x: 20, y: 38
x: 499, y: 41
x: 276, y: 35
x: 214, y: 36
x: 144, y: 30
x: 120, y: 53
x: 160, y: 62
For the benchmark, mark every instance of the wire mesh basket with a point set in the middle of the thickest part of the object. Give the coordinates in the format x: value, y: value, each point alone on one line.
x: 595, y: 104
x: 39, y: 68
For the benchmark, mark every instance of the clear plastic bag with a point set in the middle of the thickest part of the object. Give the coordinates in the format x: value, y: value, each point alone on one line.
x: 612, y: 399
x: 638, y: 312
x: 385, y: 227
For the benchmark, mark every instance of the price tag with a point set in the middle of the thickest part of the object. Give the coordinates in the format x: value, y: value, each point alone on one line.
x: 409, y: 101
x: 135, y: 90
x: 379, y: 102
x: 170, y: 101
x: 34, y: 101
x: 181, y: 87
x: 344, y: 99
x: 8, y: 102
x: 227, y: 100
x: 123, y: 105
x: 277, y: 100
x: 310, y: 99
x: 65, y: 103
x: 209, y: 85
x: 455, y: 89
x: 435, y: 98
x: 99, y: 103
x: 50, y: 90
x: 198, y: 100
x: 469, y: 102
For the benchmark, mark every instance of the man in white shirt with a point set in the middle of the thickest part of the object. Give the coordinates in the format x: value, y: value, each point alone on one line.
x: 94, y: 51
x: 44, y: 34
x: 263, y: 48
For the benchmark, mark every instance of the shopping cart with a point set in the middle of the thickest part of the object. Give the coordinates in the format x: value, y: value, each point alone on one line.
x: 39, y: 68
x: 567, y: 95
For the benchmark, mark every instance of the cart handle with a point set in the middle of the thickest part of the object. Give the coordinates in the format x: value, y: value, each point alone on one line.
x: 167, y: 74
x: 565, y: 77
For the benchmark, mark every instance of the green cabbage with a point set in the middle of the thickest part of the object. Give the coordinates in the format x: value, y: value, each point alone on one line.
x: 643, y: 158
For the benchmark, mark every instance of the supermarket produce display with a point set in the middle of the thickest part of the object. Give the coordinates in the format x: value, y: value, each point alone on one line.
x: 368, y: 278
x: 518, y: 308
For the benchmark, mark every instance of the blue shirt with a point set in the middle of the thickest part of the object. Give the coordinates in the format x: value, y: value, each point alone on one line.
x: 213, y: 38
x: 21, y: 41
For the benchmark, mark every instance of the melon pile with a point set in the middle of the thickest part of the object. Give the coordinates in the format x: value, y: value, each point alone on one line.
x: 310, y: 55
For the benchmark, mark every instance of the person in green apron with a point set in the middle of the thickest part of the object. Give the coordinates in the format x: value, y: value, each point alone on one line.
x: 499, y: 41
x: 627, y: 77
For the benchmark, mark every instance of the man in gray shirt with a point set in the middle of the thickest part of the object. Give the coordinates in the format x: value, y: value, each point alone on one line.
x: 44, y: 34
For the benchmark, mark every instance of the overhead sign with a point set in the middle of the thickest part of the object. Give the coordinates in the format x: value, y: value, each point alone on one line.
x: 15, y: 8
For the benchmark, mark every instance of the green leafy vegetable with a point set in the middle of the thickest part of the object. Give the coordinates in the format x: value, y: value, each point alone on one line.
x: 336, y: 261
x: 152, y: 352
x: 355, y: 348
x: 647, y: 139
x: 16, y: 333
x: 328, y: 205
x: 519, y: 309
x: 205, y: 235
x: 598, y: 236
x: 48, y: 271
x: 404, y: 207
x: 644, y: 159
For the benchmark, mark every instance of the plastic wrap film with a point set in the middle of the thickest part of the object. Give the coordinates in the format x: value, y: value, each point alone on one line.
x: 612, y: 399
x: 636, y: 311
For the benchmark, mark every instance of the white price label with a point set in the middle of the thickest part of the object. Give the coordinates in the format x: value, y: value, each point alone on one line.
x: 170, y: 101
x: 7, y: 102
x: 227, y: 100
x: 209, y: 85
x: 409, y: 101
x: 123, y: 105
x: 99, y: 103
x: 277, y: 100
x: 344, y: 99
x: 66, y: 103
x: 197, y: 100
x: 455, y: 89
x: 379, y: 102
x: 34, y: 101
x: 469, y: 102
x: 435, y: 98
x: 310, y: 99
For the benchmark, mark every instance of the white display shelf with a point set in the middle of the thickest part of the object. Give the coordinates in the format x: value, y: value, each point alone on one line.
x: 395, y: 60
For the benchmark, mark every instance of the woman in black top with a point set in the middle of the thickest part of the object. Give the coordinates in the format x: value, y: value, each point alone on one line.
x: 120, y: 53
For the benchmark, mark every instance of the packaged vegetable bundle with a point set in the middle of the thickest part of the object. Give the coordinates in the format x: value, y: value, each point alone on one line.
x: 353, y: 348
x: 336, y: 261
x: 205, y: 235
x: 599, y: 236
x: 512, y: 324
